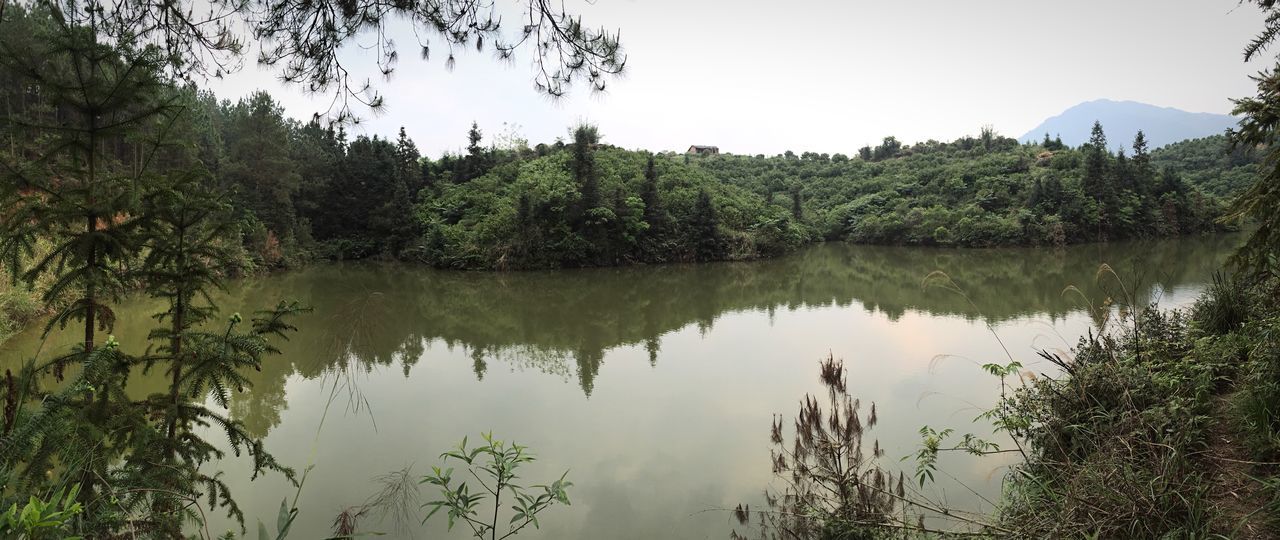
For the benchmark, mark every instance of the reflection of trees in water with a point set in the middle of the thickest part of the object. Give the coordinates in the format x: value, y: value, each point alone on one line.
x: 370, y: 315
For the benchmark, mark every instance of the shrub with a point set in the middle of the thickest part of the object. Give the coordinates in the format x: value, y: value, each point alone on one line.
x: 1109, y: 443
x: 494, y: 465
x: 1223, y: 307
x: 1258, y: 402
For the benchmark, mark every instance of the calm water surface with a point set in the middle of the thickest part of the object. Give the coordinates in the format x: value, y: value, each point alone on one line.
x: 654, y: 386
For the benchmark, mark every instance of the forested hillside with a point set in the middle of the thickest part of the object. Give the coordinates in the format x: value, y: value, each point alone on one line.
x: 1211, y: 164
x: 982, y: 191
x: 587, y: 204
x: 305, y: 191
x: 308, y: 191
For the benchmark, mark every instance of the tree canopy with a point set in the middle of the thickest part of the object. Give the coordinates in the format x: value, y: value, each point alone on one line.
x: 302, y: 40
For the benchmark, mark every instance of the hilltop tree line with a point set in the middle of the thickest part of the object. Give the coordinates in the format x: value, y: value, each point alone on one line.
x: 309, y: 190
x: 987, y: 191
x: 303, y: 191
x: 306, y: 191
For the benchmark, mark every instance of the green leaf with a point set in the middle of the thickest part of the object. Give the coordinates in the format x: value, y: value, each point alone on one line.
x: 438, y: 505
x: 282, y: 520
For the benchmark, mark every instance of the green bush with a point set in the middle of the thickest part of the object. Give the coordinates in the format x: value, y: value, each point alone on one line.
x: 1223, y: 307
x: 1258, y: 402
x: 1109, y: 443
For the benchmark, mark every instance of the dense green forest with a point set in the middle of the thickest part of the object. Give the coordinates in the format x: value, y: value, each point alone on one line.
x: 986, y: 191
x: 310, y: 191
x: 307, y: 191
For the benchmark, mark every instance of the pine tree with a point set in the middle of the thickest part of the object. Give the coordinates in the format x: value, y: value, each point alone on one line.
x: 189, y: 251
x: 1120, y: 195
x: 705, y: 228
x: 587, y: 217
x: 585, y: 139
x: 92, y: 184
x: 320, y: 152
x: 77, y: 182
x: 1144, y: 180
x: 1095, y: 182
x: 1143, y: 171
x: 475, y: 163
x: 1095, y: 164
x: 259, y: 166
x: 407, y: 166
x: 402, y: 225
x: 473, y: 141
x: 652, y: 200
x: 1259, y: 129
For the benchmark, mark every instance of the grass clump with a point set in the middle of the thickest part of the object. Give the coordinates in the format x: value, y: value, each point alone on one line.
x: 1224, y: 306
x: 1111, y: 446
x: 1168, y: 427
x: 21, y: 302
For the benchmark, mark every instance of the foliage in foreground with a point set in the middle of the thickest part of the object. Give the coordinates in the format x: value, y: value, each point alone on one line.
x: 494, y: 465
x: 40, y: 518
x: 832, y: 488
x: 1136, y: 435
x: 119, y: 208
x: 1161, y: 424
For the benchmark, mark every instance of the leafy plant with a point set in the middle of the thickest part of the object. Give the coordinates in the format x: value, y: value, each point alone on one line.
x: 494, y: 467
x: 40, y: 519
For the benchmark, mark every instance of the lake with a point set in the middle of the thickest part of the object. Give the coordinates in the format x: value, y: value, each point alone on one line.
x: 654, y: 386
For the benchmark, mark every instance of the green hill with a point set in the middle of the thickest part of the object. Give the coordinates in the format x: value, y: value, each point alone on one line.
x: 586, y: 204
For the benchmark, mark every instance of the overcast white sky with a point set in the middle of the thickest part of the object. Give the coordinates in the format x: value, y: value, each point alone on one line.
x: 822, y: 75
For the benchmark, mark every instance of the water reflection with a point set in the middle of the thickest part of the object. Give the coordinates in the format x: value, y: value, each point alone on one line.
x: 655, y: 384
x: 563, y: 322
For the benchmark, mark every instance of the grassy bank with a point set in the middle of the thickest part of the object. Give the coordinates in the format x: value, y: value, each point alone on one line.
x: 1161, y: 424
x: 21, y: 303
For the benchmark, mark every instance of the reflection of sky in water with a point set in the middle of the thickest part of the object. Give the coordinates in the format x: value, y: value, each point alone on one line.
x: 564, y: 360
x: 653, y: 447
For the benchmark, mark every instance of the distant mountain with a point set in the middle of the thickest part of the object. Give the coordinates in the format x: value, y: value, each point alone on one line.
x: 1121, y: 120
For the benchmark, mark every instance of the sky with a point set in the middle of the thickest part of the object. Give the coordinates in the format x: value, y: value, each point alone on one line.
x: 827, y: 76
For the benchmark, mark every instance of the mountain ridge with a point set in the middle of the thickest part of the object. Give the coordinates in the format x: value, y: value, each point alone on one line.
x: 1121, y: 120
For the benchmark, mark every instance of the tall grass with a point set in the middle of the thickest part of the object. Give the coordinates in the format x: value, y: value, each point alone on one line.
x: 1223, y: 307
x: 21, y: 303
x: 1113, y: 443
x: 1257, y: 404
